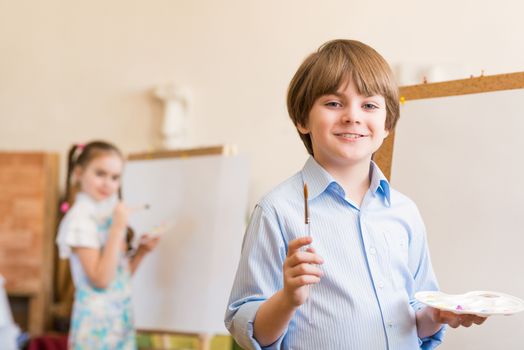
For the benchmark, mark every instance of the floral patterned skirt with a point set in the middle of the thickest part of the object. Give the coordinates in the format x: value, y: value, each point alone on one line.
x: 102, y: 320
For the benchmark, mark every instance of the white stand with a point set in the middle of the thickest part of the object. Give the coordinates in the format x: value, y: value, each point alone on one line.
x: 175, y: 124
x: 8, y: 330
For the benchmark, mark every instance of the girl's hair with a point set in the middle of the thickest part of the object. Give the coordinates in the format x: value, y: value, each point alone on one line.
x: 81, y: 155
x: 334, y: 64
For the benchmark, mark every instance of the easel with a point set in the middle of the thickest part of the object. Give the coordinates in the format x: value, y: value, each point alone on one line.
x: 202, y: 341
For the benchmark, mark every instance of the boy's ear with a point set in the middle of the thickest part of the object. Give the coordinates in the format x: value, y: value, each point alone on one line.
x: 302, y: 129
x: 387, y: 133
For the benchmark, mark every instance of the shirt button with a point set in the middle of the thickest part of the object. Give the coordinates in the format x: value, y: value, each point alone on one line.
x: 390, y: 324
x: 381, y: 284
x: 372, y: 251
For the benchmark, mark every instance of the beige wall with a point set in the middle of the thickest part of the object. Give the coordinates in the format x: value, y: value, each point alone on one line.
x: 71, y: 71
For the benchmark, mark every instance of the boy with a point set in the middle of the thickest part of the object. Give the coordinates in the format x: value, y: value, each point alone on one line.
x: 370, y: 255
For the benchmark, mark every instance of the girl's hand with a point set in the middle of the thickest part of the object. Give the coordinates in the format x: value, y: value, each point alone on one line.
x: 120, y: 217
x: 147, y: 243
x: 300, y: 270
x: 455, y: 320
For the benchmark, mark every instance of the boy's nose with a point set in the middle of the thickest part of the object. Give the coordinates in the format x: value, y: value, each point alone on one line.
x: 351, y: 116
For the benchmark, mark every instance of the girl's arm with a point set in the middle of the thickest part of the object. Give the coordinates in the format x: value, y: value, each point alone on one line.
x: 146, y: 245
x: 100, y: 264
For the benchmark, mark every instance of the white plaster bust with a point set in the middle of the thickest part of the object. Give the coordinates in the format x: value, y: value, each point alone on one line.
x: 175, y: 125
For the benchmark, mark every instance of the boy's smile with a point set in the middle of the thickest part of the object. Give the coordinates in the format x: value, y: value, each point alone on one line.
x: 346, y: 128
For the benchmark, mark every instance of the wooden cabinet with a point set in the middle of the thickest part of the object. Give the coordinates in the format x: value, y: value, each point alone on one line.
x: 28, y: 202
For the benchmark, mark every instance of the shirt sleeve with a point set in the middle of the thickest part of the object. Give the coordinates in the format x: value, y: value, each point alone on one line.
x: 77, y: 230
x: 433, y: 341
x: 424, y: 277
x: 258, y: 277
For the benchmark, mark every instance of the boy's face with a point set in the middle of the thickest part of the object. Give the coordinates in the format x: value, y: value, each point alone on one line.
x: 346, y: 128
x: 100, y: 179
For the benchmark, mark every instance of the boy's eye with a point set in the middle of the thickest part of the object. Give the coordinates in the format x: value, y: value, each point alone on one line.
x: 333, y: 104
x: 99, y: 173
x: 115, y: 177
x: 370, y: 106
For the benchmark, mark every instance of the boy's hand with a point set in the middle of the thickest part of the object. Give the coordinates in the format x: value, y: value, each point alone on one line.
x: 454, y: 320
x: 300, y: 270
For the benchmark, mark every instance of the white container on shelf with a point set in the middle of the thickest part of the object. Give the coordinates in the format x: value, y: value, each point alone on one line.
x: 8, y: 330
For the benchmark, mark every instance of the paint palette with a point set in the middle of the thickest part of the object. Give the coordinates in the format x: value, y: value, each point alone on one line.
x: 480, y: 303
x: 159, y: 230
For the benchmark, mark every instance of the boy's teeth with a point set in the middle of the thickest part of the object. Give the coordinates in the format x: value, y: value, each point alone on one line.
x: 353, y: 136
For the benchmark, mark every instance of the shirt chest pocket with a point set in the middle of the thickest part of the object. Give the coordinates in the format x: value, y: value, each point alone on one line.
x: 398, y: 254
x: 397, y: 243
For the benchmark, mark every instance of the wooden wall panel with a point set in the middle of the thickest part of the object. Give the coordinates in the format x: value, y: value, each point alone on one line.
x: 28, y: 201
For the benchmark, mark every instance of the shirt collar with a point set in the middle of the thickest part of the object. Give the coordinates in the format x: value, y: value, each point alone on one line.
x: 379, y: 183
x: 318, y: 180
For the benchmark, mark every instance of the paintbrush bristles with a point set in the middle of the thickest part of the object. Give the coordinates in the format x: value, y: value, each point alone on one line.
x: 306, y: 208
x: 140, y: 208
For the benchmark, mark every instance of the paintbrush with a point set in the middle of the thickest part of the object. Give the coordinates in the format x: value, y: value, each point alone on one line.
x: 139, y: 208
x: 306, y: 211
x: 308, y: 230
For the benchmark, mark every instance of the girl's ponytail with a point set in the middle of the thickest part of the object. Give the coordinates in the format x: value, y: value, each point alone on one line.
x: 70, y: 191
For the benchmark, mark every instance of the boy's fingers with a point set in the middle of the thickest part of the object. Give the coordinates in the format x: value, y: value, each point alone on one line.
x: 451, y: 319
x: 454, y: 320
x: 479, y: 320
x: 310, y: 250
x: 467, y: 323
x: 305, y: 269
x: 301, y: 257
x: 303, y: 280
x: 295, y: 245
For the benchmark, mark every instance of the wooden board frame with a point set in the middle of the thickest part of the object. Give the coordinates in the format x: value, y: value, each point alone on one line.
x: 181, y: 153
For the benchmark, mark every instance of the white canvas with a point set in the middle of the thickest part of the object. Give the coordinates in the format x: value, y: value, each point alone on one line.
x: 184, y: 284
x: 459, y: 158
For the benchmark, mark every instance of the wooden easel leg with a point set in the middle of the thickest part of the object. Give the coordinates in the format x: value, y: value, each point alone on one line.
x: 204, y: 341
x: 166, y: 344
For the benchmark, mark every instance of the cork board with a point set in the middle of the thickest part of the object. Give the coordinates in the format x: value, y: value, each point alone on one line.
x: 384, y: 156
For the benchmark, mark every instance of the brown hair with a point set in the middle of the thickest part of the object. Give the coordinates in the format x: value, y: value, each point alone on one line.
x: 332, y: 65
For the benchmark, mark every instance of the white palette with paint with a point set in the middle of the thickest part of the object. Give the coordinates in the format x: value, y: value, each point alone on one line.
x: 480, y: 303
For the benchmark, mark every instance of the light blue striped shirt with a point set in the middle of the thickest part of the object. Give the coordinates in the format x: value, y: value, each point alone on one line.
x: 375, y: 260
